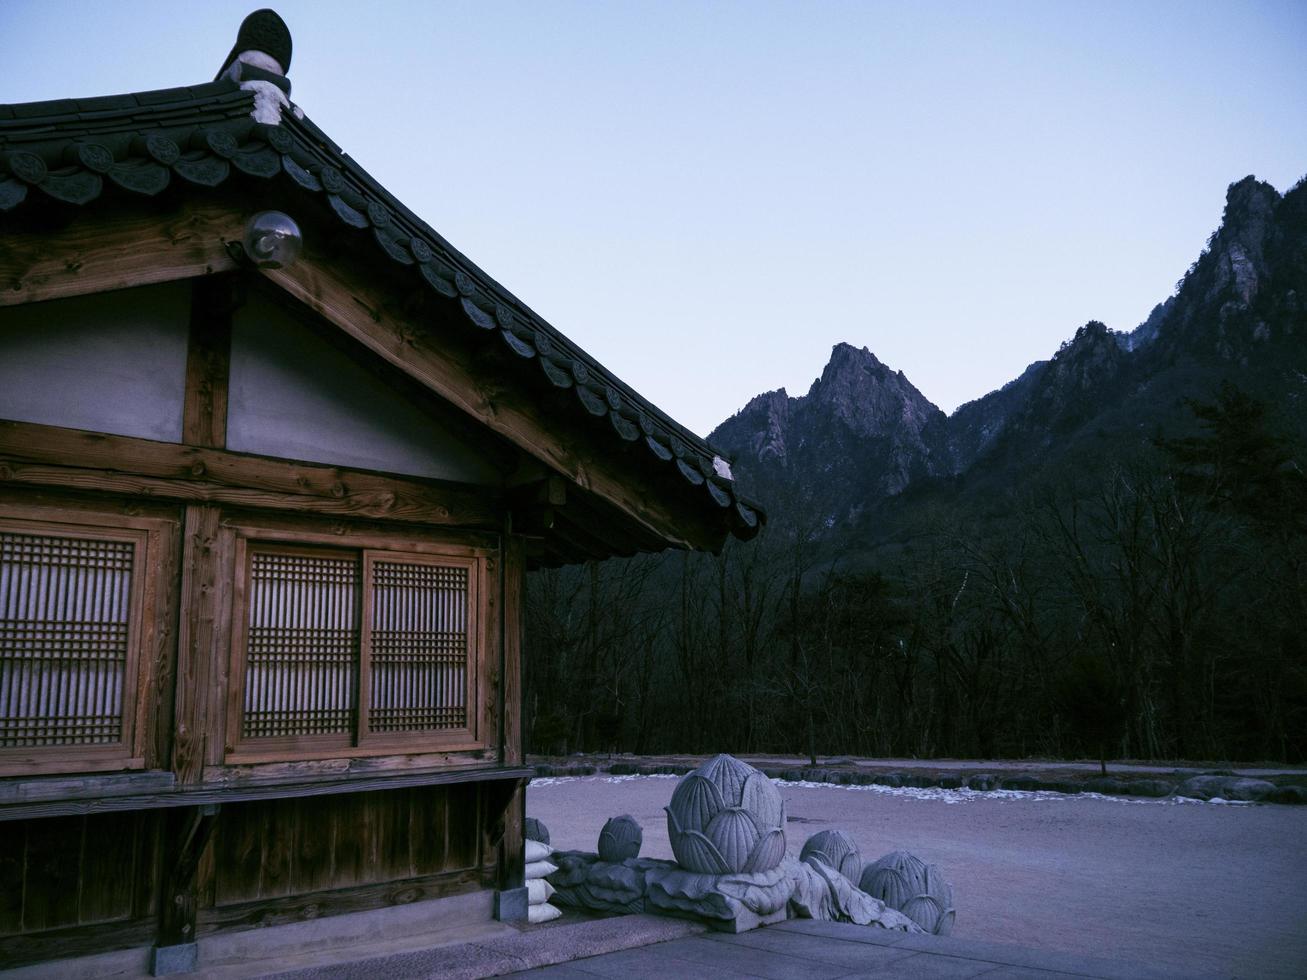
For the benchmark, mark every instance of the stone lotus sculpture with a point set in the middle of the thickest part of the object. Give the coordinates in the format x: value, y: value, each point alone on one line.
x: 620, y: 839
x: 905, y: 882
x: 837, y: 850
x: 821, y: 892
x: 536, y: 830
x: 726, y: 817
x: 585, y: 881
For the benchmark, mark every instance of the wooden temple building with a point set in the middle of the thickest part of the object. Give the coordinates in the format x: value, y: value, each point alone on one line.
x: 275, y: 459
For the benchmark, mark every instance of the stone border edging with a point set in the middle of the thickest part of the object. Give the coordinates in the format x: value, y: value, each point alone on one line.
x: 1194, y: 787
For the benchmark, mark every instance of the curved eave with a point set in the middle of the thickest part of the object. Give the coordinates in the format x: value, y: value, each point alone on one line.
x: 74, y: 152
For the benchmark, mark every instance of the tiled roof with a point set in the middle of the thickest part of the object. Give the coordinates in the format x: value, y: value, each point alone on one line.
x: 72, y: 152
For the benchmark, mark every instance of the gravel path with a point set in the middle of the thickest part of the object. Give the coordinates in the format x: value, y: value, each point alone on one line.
x: 1218, y: 888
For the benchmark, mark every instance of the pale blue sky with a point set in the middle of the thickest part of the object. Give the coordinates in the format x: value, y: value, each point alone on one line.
x: 708, y: 196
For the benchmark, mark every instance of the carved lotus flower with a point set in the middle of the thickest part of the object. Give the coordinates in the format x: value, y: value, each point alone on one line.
x: 536, y: 830
x: 726, y: 818
x: 907, y: 884
x: 620, y: 839
x: 837, y: 850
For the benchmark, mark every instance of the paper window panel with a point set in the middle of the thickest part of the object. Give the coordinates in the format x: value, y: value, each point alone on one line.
x: 419, y: 645
x: 301, y: 670
x: 65, y: 639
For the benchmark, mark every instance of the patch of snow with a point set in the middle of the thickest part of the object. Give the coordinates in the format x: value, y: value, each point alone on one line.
x: 268, y: 101
x: 926, y: 794
x: 955, y: 796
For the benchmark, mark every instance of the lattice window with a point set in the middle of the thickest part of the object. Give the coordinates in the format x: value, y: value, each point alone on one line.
x: 418, y: 648
x: 301, y: 674
x: 365, y: 649
x: 69, y: 610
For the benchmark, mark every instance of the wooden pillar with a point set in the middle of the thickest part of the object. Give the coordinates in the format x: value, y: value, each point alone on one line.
x: 208, y: 360
x: 187, y: 834
x: 512, y: 610
x: 203, y: 609
x: 198, y: 732
x: 510, y: 900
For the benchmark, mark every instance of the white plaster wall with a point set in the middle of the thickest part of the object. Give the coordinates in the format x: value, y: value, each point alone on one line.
x: 113, y: 362
x: 294, y: 396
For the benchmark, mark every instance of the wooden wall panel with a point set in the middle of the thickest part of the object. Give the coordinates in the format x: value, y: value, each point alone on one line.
x: 315, y: 853
x: 208, y: 358
x: 464, y: 824
x: 428, y: 829
x: 282, y: 848
x: 62, y: 872
x: 11, y: 879
x: 53, y: 860
x: 111, y: 852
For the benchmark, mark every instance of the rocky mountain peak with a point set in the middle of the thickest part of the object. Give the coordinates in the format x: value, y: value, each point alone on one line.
x: 860, y: 391
x: 1091, y: 357
x: 758, y: 431
x: 1239, y: 246
x: 863, y: 433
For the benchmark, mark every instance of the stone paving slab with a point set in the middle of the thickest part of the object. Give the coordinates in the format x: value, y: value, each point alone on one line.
x: 801, y: 949
x: 996, y: 953
x: 534, y: 946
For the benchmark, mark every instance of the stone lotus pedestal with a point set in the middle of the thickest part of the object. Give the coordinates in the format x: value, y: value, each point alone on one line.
x: 729, y: 902
x: 821, y: 892
x: 917, y: 889
x: 585, y: 881
x: 726, y: 825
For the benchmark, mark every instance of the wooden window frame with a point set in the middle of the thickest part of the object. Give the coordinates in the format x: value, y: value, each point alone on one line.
x: 147, y: 537
x: 241, y: 750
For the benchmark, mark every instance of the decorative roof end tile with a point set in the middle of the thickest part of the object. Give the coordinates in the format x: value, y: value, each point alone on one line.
x: 258, y: 62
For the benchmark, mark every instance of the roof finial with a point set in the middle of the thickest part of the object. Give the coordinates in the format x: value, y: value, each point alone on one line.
x: 259, y: 61
x: 265, y: 32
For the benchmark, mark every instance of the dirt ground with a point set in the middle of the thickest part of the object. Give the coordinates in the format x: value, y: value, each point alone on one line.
x: 1212, y: 888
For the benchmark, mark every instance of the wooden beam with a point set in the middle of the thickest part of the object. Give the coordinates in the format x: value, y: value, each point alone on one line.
x: 360, y: 898
x: 188, y: 834
x: 504, y: 806
x: 43, y: 455
x: 97, y: 252
x: 409, y: 327
x: 208, y: 361
x: 513, y: 613
x: 417, y: 343
x: 205, y: 578
x: 156, y: 695
x: 74, y: 941
x: 196, y: 795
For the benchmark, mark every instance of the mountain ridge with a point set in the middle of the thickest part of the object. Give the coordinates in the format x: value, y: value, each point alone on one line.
x: 863, y: 433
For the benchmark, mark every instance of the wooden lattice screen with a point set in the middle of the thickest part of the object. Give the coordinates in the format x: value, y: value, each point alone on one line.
x: 66, y: 644
x: 364, y: 647
x: 418, y: 639
x: 301, y: 674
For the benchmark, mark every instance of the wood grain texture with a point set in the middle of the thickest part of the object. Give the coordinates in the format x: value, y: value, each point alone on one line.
x: 372, y: 315
x: 202, y: 577
x: 83, y: 787
x: 510, y: 853
x: 315, y: 905
x: 155, y: 699
x: 76, y: 941
x: 187, y: 836
x: 145, y: 606
x: 57, y: 874
x: 278, y: 848
x: 242, y: 792
x: 114, y: 249
x: 48, y: 456
x: 514, y: 585
x: 208, y: 362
